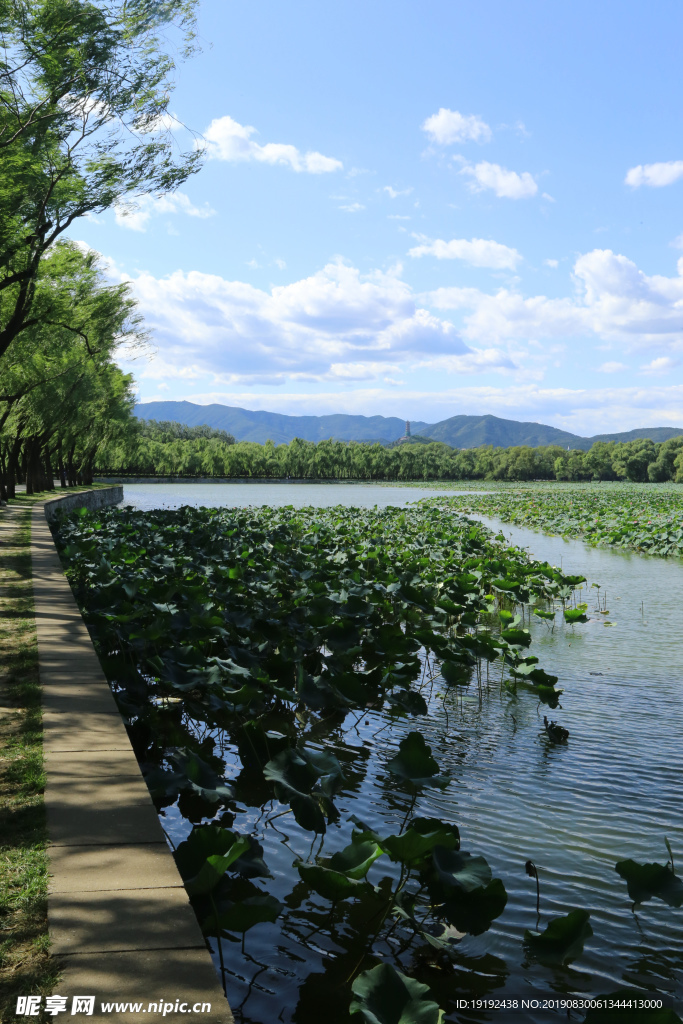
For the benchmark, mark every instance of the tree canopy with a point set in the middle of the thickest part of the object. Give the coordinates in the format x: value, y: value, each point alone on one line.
x: 84, y: 126
x: 61, y: 393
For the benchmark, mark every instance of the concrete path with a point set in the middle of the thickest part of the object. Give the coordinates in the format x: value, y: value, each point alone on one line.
x: 119, y: 917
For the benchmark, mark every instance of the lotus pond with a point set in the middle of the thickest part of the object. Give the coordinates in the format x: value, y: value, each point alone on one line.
x: 340, y: 715
x: 638, y: 517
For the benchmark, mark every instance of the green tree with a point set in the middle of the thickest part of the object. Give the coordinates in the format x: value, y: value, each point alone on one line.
x: 598, y: 460
x: 58, y: 382
x: 664, y: 467
x: 84, y: 126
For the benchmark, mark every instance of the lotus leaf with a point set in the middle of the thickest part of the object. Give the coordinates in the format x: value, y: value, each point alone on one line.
x: 307, y: 779
x: 209, y: 841
x: 550, y: 616
x: 243, y: 915
x: 191, y: 773
x: 214, y: 867
x: 454, y: 869
x: 356, y: 859
x: 419, y: 839
x: 646, y: 881
x: 328, y: 883
x: 563, y: 939
x: 414, y: 763
x: 574, y: 615
x: 473, y: 912
x: 456, y: 673
x: 517, y: 637
x: 384, y: 996
x: 410, y: 701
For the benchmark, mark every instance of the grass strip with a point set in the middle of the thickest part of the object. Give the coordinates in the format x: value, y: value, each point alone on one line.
x: 25, y: 964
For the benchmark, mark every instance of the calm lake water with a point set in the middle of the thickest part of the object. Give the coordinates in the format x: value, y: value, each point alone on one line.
x: 147, y: 496
x: 614, y: 791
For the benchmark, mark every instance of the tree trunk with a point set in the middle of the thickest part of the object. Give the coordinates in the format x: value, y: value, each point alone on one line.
x: 60, y: 464
x: 36, y: 479
x: 30, y: 478
x: 87, y: 468
x: 3, y: 475
x: 70, y: 469
x: 12, y: 467
x: 49, y: 475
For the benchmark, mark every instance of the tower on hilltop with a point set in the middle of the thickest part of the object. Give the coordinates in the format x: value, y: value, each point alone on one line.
x: 407, y: 428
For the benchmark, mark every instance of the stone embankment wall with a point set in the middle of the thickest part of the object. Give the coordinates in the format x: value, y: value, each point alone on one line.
x: 84, y: 499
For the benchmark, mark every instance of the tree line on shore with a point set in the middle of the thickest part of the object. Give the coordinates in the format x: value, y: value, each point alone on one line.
x: 147, y: 448
x: 84, y: 128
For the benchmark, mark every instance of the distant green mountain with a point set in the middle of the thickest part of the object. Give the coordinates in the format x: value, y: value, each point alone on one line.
x: 457, y: 431
x: 474, y: 431
x: 653, y: 433
x: 246, y: 425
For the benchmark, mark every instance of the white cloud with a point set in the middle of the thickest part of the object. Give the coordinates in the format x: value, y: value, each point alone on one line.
x: 449, y: 126
x: 660, y: 365
x: 612, y: 367
x: 551, y: 263
x: 137, y: 214
x: 352, y: 207
x: 398, y: 216
x: 334, y: 325
x: 226, y: 139
x: 506, y: 184
x: 480, y: 252
x: 394, y: 193
x: 614, y: 300
x: 655, y: 175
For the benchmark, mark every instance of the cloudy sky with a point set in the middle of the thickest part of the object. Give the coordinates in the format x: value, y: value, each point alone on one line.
x: 422, y: 209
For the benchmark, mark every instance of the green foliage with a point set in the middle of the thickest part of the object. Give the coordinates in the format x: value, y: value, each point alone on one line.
x: 241, y: 915
x: 242, y: 853
x: 83, y: 110
x: 563, y: 939
x: 173, y: 451
x: 328, y: 883
x: 574, y: 615
x: 414, y: 845
x: 462, y: 887
x: 254, y: 634
x: 383, y: 996
x: 414, y: 763
x: 639, y: 518
x: 646, y: 881
x: 356, y: 859
x: 307, y: 780
x: 188, y: 772
x: 61, y: 393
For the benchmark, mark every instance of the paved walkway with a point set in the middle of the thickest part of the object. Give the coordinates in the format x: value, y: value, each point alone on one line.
x: 119, y: 917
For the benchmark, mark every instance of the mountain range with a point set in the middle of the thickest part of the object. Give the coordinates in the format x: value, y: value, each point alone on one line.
x: 456, y: 431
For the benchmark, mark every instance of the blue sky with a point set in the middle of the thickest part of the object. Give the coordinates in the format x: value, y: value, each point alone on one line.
x: 421, y: 210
